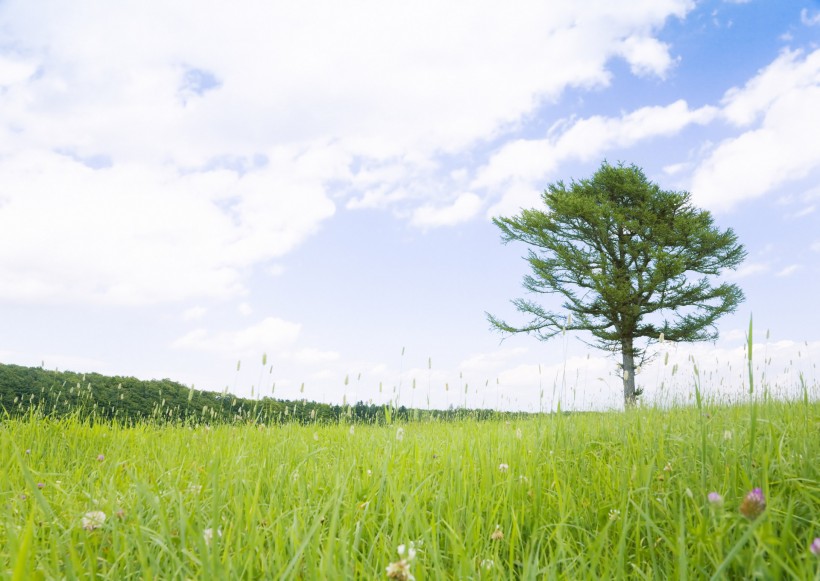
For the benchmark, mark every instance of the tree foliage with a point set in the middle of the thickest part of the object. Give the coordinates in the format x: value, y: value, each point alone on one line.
x: 633, y: 263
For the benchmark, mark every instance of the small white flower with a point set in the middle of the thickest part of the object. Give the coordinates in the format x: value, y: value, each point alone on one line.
x: 208, y: 535
x: 727, y: 435
x: 487, y: 564
x: 400, y: 570
x: 93, y: 520
x: 400, y: 434
x: 614, y: 514
x: 503, y: 467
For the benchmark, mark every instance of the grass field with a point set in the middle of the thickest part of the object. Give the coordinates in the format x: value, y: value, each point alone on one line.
x: 574, y: 496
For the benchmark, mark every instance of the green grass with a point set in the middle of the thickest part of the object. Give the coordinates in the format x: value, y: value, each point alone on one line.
x: 609, y: 495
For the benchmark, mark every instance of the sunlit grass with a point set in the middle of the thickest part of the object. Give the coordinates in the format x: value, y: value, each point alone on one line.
x: 601, y: 495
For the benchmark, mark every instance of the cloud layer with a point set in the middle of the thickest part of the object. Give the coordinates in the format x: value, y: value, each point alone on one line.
x: 153, y: 153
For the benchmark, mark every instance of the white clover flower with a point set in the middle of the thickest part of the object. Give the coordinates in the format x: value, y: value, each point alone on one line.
x: 503, y: 467
x: 93, y: 520
x: 400, y: 570
x: 614, y: 514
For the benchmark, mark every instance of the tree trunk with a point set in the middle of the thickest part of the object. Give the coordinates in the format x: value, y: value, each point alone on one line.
x: 630, y: 398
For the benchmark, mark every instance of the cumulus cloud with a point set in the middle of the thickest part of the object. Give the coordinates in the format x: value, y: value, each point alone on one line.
x: 529, y: 161
x: 779, y: 108
x: 465, y: 207
x: 140, y: 172
x: 269, y: 334
x: 647, y: 56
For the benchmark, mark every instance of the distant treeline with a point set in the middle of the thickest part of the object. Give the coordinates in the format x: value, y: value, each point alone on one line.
x: 25, y: 390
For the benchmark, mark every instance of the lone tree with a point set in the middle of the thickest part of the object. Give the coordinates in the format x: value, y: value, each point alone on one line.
x: 632, y: 262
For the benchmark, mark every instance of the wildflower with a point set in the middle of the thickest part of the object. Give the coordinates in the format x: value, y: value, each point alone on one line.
x: 503, y: 467
x: 28, y: 452
x: 23, y: 497
x: 208, y: 535
x: 400, y: 434
x: 715, y: 499
x: 369, y: 472
x: 498, y: 534
x: 614, y: 514
x: 727, y: 435
x: 352, y: 429
x: 120, y: 514
x: 411, y: 551
x: 400, y: 570
x: 815, y: 547
x: 668, y: 467
x: 487, y: 564
x: 753, y: 504
x: 316, y: 436
x: 93, y: 520
x: 100, y: 458
x: 41, y: 485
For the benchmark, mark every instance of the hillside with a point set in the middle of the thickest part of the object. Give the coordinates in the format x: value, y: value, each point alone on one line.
x: 127, y: 399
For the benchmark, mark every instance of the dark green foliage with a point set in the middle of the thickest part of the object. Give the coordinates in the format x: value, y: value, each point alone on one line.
x: 24, y: 390
x: 631, y: 261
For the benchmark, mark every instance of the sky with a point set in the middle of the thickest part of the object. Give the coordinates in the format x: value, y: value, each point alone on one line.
x: 189, y: 189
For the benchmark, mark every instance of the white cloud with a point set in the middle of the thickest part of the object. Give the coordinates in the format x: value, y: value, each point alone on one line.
x: 783, y: 147
x: 13, y: 70
x: 268, y: 335
x: 465, y: 207
x: 484, y: 362
x: 310, y: 356
x: 748, y: 269
x: 139, y: 172
x: 530, y: 161
x: 194, y: 313
x: 647, y: 56
x: 244, y: 309
x: 132, y: 234
x: 809, y: 19
x: 804, y: 212
x: 789, y: 270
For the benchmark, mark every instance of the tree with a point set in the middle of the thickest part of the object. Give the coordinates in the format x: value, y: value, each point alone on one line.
x: 631, y: 261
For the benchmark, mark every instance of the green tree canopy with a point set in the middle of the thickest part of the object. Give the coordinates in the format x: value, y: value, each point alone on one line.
x: 633, y: 263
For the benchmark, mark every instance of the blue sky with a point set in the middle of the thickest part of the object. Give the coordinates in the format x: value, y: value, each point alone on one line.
x: 184, y: 188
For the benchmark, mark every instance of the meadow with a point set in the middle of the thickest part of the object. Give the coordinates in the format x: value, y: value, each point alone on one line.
x: 645, y: 494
